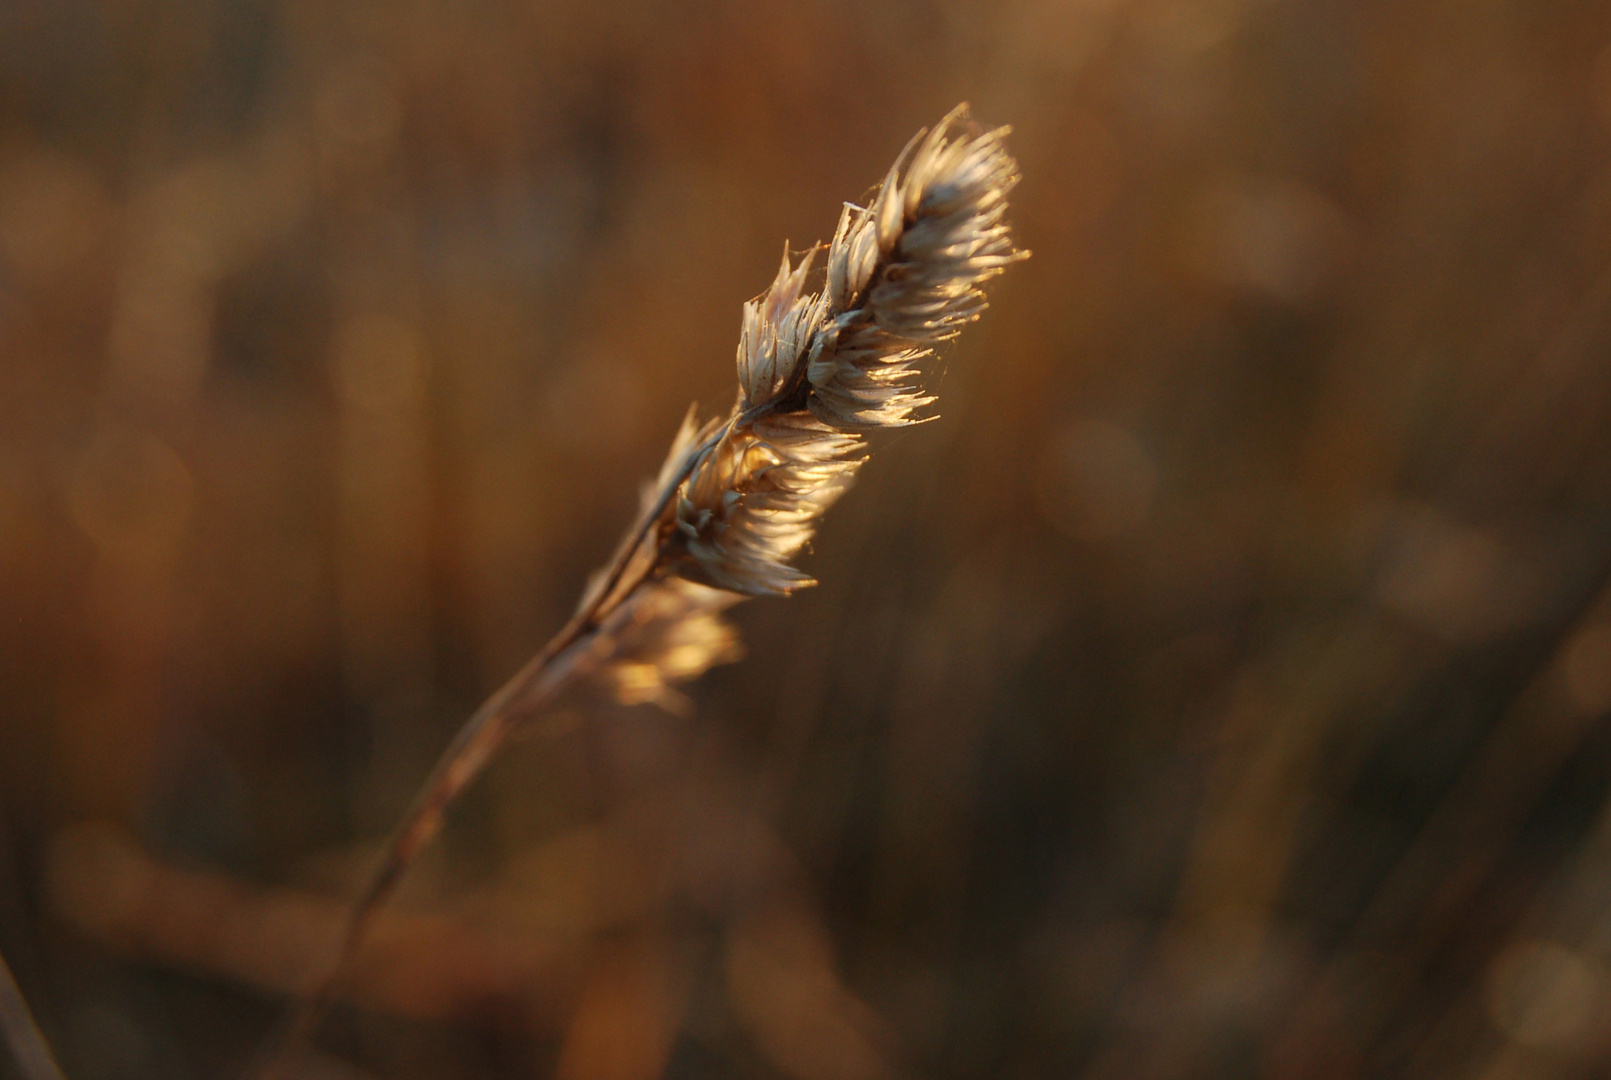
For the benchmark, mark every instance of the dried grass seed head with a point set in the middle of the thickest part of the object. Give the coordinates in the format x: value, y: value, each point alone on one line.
x: 817, y: 370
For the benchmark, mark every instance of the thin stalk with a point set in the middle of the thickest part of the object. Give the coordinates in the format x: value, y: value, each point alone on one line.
x: 573, y: 653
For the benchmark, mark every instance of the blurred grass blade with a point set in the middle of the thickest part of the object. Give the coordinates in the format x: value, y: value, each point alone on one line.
x: 23, y: 1037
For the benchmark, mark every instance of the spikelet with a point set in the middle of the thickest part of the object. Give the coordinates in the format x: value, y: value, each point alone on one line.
x: 753, y: 502
x: 778, y: 327
x: 671, y: 631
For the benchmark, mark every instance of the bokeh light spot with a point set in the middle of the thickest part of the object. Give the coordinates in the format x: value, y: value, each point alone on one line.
x: 1542, y: 994
x: 130, y: 494
x: 1097, y: 481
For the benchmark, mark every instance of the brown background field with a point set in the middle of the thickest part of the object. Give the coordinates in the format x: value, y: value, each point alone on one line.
x: 1217, y: 690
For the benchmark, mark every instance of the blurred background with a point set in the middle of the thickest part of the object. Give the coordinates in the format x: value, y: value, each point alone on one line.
x: 1217, y: 690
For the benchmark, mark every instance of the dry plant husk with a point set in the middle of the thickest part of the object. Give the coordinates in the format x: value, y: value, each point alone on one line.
x: 738, y: 497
